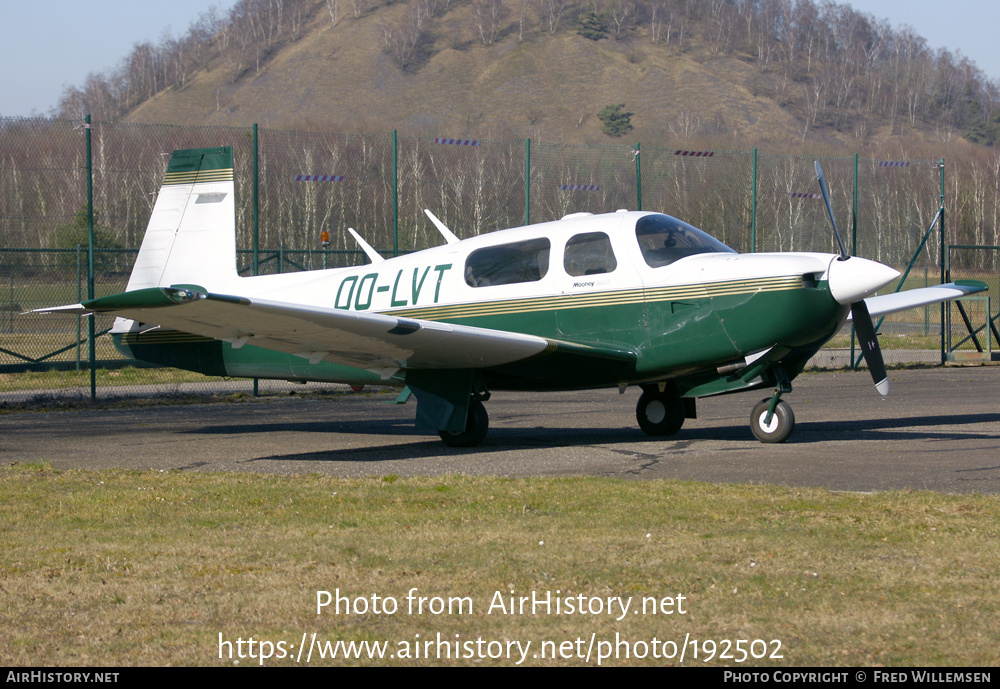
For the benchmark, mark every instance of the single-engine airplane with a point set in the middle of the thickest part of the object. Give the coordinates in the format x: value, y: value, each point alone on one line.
x: 588, y: 301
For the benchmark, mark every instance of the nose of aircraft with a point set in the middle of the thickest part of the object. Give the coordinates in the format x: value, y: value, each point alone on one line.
x: 854, y: 279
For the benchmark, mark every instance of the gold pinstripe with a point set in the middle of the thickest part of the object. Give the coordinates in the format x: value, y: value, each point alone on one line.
x: 719, y: 289
x: 194, y: 176
x: 612, y: 298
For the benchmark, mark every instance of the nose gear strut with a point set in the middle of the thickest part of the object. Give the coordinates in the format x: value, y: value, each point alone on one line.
x: 772, y: 420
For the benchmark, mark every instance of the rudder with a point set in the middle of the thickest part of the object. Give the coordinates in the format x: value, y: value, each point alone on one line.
x: 191, y: 236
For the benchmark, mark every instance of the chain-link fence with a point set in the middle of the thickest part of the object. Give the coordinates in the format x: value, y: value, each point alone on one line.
x: 291, y: 187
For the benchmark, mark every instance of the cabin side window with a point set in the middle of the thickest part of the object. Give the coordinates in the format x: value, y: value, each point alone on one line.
x: 589, y: 254
x: 507, y: 264
x: 664, y: 239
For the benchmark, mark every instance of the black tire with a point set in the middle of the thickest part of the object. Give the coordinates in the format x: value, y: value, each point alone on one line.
x: 477, y: 423
x: 781, y: 426
x: 660, y: 413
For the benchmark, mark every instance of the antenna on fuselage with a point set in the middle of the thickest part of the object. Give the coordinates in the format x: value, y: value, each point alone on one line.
x: 448, y: 235
x: 373, y: 255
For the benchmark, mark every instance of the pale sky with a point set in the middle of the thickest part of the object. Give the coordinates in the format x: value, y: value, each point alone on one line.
x: 47, y: 46
x: 968, y: 27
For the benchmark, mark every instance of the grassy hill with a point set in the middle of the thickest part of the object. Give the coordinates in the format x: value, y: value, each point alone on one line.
x: 547, y: 86
x: 774, y: 73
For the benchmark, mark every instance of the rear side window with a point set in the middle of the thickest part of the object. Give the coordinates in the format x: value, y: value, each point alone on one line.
x: 589, y: 254
x: 507, y: 264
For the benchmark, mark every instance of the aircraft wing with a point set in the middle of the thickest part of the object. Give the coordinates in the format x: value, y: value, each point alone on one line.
x: 371, y: 341
x: 900, y: 301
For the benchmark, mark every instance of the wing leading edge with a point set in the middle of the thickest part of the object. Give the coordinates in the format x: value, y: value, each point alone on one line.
x: 371, y: 341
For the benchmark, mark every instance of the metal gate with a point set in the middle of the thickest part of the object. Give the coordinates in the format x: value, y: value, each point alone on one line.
x: 971, y: 325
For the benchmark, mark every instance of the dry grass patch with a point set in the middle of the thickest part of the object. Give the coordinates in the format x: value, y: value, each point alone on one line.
x: 120, y: 568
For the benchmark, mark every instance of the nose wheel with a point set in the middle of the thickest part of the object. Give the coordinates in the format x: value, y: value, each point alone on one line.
x: 775, y: 429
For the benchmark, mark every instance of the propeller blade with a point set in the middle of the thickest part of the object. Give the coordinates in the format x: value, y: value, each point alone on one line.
x: 859, y: 310
x: 829, y: 210
x: 869, y: 345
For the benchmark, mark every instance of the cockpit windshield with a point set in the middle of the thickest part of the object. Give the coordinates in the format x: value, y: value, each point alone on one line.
x: 664, y: 239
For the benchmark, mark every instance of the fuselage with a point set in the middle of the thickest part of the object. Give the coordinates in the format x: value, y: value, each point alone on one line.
x: 671, y: 299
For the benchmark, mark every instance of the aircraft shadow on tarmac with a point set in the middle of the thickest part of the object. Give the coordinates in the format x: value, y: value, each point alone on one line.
x: 886, y: 429
x: 961, y: 427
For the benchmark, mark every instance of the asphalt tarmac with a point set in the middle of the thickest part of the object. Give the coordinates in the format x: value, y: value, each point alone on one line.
x: 939, y: 429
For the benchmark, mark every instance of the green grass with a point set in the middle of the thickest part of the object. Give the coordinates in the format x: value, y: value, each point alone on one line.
x: 43, y: 344
x: 126, y: 568
x: 889, y: 342
x: 27, y: 293
x: 128, y: 376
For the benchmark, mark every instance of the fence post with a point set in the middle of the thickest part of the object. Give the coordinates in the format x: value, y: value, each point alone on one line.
x: 79, y: 298
x: 256, y: 203
x: 638, y: 178
x: 395, y: 195
x: 91, y: 335
x: 855, y: 360
x: 256, y: 223
x: 527, y: 181
x: 854, y: 211
x: 753, y: 205
x: 944, y: 269
x: 10, y: 310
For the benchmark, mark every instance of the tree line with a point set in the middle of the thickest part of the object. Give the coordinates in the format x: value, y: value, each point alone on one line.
x: 476, y: 189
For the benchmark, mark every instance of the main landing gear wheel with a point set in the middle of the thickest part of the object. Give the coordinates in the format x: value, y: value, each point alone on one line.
x: 660, y: 413
x: 781, y: 426
x: 476, y: 425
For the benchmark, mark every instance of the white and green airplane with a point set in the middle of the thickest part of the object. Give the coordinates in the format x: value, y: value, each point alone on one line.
x: 588, y: 301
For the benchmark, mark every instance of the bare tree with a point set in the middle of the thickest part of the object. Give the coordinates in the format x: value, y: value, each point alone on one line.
x: 620, y: 12
x: 522, y: 20
x: 551, y: 13
x: 686, y: 124
x: 817, y: 97
x: 405, y: 40
x: 762, y: 26
x: 658, y: 14
x: 295, y: 22
x: 488, y: 16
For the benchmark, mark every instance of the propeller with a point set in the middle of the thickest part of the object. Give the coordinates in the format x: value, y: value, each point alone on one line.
x: 859, y: 310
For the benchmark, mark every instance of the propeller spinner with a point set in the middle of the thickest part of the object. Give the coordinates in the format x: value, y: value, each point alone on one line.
x: 850, y: 286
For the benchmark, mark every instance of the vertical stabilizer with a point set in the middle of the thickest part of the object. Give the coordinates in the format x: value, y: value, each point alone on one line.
x: 191, y: 237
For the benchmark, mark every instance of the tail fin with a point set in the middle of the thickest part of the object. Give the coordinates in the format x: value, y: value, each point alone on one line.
x: 191, y: 237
